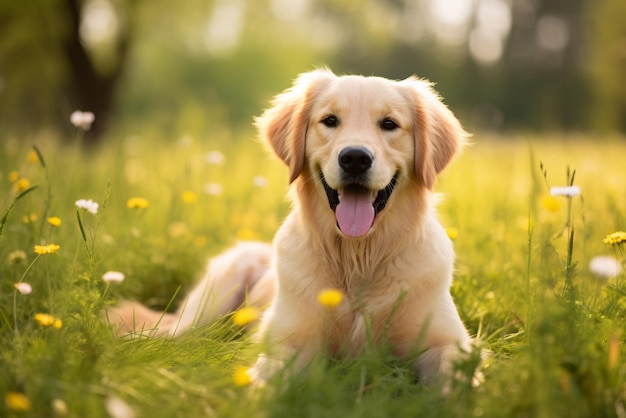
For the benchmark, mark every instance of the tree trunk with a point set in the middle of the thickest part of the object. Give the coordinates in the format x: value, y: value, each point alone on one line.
x: 90, y: 90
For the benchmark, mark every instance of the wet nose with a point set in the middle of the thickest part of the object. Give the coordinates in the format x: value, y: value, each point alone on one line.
x: 355, y: 160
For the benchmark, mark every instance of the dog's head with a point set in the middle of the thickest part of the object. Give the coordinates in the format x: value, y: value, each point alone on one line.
x: 361, y: 138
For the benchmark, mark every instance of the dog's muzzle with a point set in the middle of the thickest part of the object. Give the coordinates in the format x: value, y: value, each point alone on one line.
x: 356, y: 206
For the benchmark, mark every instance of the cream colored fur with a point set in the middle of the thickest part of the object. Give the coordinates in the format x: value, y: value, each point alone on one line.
x: 396, y: 278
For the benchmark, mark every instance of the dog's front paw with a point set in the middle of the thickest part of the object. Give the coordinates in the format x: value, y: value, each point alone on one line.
x: 263, y: 370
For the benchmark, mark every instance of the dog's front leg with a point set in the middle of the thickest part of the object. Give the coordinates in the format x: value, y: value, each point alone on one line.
x: 287, y: 338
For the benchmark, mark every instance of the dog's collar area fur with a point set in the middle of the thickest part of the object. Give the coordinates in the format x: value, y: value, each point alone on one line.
x: 379, y: 203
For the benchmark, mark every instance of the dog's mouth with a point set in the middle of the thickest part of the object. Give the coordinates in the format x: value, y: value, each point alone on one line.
x: 356, y: 206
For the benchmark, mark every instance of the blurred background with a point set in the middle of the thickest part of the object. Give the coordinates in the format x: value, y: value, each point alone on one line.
x: 203, y: 66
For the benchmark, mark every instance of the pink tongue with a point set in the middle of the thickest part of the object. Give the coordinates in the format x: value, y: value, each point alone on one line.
x: 355, y: 213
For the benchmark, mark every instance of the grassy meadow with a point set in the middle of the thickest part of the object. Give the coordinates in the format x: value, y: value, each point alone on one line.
x: 523, y: 284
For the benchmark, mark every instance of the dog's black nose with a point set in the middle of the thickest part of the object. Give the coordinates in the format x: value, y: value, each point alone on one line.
x: 355, y: 160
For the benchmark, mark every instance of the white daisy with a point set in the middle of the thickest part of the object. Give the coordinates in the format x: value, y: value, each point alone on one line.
x: 260, y: 181
x: 113, y: 276
x: 89, y: 205
x: 605, y: 266
x: 213, y: 189
x: 118, y: 408
x: 24, y: 288
x: 569, y: 191
x: 82, y: 120
x: 214, y: 157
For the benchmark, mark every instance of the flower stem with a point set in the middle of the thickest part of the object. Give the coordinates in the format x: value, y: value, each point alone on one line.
x: 15, y: 293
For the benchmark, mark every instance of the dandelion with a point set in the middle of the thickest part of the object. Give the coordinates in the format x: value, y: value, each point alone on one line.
x: 54, y: 221
x: 87, y: 204
x: 21, y: 185
x: 452, y: 233
x: 17, y: 401
x: 246, y: 315
x: 47, y: 249
x: 615, y: 239
x: 17, y: 257
x: 82, y: 120
x: 137, y: 203
x: 242, y: 377
x: 330, y: 298
x: 47, y: 320
x: 568, y: 191
x: 605, y: 266
x: 13, y: 176
x: 551, y: 204
x: 259, y: 181
x: 189, y: 197
x: 113, y: 276
x: 23, y: 287
x: 214, y: 157
x: 213, y: 189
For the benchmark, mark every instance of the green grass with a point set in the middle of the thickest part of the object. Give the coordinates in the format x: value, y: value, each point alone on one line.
x: 557, y: 345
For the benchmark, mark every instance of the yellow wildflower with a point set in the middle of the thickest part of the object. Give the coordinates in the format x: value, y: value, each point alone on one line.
x: 21, y: 185
x: 615, y: 239
x: 30, y: 218
x: 54, y: 221
x: 241, y: 377
x: 246, y: 315
x: 137, y: 203
x: 452, y: 233
x: 13, y: 176
x: 330, y: 298
x: 32, y: 157
x: 246, y: 234
x: 47, y: 320
x: 200, y: 241
x: 551, y: 204
x: 47, y: 249
x: 17, y: 401
x: 189, y: 197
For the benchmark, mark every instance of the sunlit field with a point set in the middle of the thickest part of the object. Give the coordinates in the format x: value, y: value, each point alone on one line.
x: 523, y: 284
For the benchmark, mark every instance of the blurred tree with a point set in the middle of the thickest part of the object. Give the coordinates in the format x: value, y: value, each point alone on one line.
x: 519, y: 64
x: 606, y: 64
x: 544, y: 86
x: 57, y: 56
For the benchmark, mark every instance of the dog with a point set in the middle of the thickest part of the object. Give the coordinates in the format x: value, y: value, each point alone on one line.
x: 363, y: 154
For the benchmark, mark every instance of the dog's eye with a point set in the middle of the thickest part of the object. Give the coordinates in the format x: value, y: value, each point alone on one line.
x: 330, y: 121
x: 388, y: 125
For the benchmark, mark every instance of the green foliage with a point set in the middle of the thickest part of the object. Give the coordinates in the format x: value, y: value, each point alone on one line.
x: 555, y: 344
x: 607, y: 63
x: 162, y: 62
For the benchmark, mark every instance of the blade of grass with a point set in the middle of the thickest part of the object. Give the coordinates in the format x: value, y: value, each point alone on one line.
x: 4, y: 219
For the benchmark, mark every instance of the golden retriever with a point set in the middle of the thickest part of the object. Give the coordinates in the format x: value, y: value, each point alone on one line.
x: 363, y: 154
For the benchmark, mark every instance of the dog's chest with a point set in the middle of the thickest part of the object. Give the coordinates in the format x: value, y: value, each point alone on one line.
x: 364, y: 319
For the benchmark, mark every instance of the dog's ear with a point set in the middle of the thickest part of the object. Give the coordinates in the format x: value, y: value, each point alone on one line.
x: 438, y: 133
x: 284, y: 125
